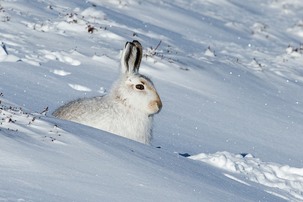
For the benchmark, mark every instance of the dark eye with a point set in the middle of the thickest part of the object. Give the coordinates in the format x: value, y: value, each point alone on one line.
x: 140, y: 87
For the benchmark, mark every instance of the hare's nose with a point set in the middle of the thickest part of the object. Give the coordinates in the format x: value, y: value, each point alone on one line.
x: 159, y: 104
x: 155, y: 106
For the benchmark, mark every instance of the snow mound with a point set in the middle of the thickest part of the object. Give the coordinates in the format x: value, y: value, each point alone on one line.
x: 284, y: 177
x: 16, y: 122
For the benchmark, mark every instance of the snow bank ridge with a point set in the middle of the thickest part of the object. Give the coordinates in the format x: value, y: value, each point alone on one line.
x: 284, y: 177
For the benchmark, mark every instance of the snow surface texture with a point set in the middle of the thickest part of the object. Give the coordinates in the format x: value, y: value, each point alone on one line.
x: 229, y: 73
x: 275, y: 175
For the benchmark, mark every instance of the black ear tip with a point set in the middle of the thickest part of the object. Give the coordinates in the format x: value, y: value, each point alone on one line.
x: 136, y: 42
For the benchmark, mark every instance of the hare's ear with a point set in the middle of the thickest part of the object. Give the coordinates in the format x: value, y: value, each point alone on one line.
x: 131, y: 57
x: 138, y: 55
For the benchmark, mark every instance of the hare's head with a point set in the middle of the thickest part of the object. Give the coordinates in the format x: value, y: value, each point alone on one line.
x: 136, y: 90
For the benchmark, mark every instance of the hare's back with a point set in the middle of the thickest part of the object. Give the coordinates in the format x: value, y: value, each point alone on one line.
x: 76, y: 109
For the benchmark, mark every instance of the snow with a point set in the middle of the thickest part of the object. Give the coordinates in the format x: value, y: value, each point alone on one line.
x: 229, y: 74
x: 284, y: 177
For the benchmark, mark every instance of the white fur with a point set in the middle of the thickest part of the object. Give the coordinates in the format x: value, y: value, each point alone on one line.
x: 126, y: 110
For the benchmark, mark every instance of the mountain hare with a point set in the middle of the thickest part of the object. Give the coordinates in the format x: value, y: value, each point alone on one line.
x: 129, y: 107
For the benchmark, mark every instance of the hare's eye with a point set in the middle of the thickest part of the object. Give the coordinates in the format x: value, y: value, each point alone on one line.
x: 140, y: 87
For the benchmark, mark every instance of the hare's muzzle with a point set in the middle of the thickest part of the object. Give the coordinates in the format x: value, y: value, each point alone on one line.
x: 155, y: 106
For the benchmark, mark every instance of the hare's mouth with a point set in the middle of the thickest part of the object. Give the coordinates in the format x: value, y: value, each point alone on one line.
x: 155, y: 106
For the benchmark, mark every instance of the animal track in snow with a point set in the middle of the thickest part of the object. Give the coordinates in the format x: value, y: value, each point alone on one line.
x: 297, y: 29
x: 79, y: 87
x: 60, y: 56
x: 60, y: 72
